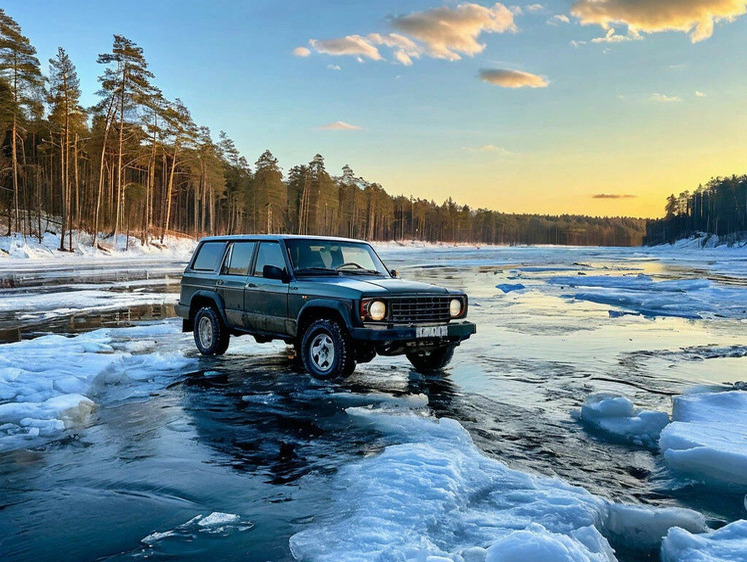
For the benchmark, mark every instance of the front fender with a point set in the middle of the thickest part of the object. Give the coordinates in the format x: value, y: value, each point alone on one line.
x: 342, y: 308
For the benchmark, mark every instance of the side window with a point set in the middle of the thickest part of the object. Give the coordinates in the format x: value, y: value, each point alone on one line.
x: 269, y: 254
x: 238, y: 258
x: 209, y: 256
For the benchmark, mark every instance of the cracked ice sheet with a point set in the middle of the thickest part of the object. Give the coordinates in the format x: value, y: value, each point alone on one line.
x: 52, y: 383
x: 433, y: 493
x: 685, y: 298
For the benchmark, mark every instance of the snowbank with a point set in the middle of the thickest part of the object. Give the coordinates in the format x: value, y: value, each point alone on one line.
x: 435, y: 494
x: 50, y: 383
x: 617, y: 417
x: 20, y: 248
x: 707, y: 439
x: 728, y: 544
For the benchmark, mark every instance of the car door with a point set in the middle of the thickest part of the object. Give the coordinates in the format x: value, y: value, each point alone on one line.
x: 266, y: 300
x: 234, y: 276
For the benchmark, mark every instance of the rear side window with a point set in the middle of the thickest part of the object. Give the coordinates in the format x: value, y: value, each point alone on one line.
x: 269, y: 254
x: 238, y: 258
x: 209, y: 256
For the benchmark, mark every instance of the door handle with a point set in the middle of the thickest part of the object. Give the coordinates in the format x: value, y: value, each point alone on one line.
x: 250, y: 285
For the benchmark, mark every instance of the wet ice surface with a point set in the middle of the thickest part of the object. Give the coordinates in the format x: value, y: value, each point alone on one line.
x: 241, y: 457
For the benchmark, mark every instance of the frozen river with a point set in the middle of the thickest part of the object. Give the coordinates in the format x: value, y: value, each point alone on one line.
x: 121, y: 442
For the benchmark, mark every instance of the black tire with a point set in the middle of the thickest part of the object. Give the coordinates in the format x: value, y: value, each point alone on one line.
x: 211, y: 334
x: 326, y: 350
x: 433, y: 360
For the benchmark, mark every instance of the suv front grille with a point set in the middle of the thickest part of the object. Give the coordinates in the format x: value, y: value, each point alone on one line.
x: 415, y: 310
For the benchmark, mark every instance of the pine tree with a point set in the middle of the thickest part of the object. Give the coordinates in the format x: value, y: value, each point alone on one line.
x: 125, y: 88
x: 270, y: 193
x: 68, y: 116
x: 19, y: 69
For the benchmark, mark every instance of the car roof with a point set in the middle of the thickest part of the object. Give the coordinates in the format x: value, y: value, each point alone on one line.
x: 277, y: 237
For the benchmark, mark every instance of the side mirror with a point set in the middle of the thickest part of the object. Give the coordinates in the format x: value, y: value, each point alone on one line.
x: 394, y: 273
x: 274, y: 272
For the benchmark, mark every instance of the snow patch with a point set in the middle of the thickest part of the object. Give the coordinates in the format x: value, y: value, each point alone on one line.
x: 618, y: 418
x: 707, y: 439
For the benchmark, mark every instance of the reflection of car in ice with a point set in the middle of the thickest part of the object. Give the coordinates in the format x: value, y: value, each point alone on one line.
x: 333, y: 299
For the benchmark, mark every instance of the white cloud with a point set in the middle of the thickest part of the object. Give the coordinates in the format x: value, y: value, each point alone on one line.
x: 695, y: 17
x: 612, y: 37
x: 301, y: 52
x: 663, y: 98
x: 700, y: 94
x: 534, y: 8
x: 507, y: 78
x: 340, y: 126
x: 578, y: 44
x: 448, y: 33
x: 333, y: 67
x: 349, y: 45
x: 499, y: 151
x: 558, y: 19
x: 404, y: 48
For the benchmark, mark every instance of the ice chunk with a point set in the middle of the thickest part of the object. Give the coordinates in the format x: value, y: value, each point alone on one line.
x: 728, y: 544
x: 537, y: 543
x: 618, y: 418
x: 434, y: 494
x: 707, y: 439
x: 218, y: 518
x: 508, y: 287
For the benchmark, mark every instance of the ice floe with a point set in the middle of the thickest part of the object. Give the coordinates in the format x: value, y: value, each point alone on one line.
x: 433, y: 495
x: 728, y: 544
x: 50, y: 383
x: 618, y: 418
x: 707, y: 439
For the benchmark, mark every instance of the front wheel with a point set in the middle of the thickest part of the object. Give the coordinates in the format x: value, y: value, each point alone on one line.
x: 211, y: 334
x: 326, y: 350
x: 433, y: 360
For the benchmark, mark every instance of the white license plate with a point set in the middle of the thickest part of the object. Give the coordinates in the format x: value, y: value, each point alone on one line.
x: 431, y: 331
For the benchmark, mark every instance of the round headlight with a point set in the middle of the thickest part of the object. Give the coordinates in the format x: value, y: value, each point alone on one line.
x: 455, y: 308
x: 376, y: 310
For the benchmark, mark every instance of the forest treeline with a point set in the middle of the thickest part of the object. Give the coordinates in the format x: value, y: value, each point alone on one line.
x: 719, y: 208
x: 136, y: 162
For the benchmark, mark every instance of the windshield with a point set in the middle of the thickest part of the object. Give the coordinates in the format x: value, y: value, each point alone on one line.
x: 332, y: 257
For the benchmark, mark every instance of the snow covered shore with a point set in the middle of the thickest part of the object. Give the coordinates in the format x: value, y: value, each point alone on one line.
x: 16, y: 247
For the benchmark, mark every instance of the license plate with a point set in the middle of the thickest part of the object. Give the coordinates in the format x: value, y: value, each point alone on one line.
x: 431, y: 331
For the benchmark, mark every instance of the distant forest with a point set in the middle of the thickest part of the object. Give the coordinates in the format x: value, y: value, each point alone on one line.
x: 137, y: 163
x: 719, y: 208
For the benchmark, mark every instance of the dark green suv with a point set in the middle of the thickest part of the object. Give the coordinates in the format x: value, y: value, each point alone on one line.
x: 333, y: 299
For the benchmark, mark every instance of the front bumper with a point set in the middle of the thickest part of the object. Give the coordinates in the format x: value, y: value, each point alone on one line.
x: 457, y: 332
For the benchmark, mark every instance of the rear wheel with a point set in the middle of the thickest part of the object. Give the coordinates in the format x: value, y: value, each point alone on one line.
x: 326, y: 350
x: 211, y: 334
x: 431, y: 360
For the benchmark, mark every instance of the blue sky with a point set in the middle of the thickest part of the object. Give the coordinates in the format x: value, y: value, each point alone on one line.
x: 654, y: 107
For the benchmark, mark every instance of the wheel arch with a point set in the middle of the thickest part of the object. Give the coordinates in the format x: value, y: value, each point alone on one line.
x: 207, y: 298
x: 323, y: 308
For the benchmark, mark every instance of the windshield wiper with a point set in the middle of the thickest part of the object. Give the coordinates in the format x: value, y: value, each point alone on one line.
x: 362, y: 271
x: 316, y: 271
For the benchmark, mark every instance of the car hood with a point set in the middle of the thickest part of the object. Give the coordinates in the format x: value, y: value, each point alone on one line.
x: 382, y: 286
